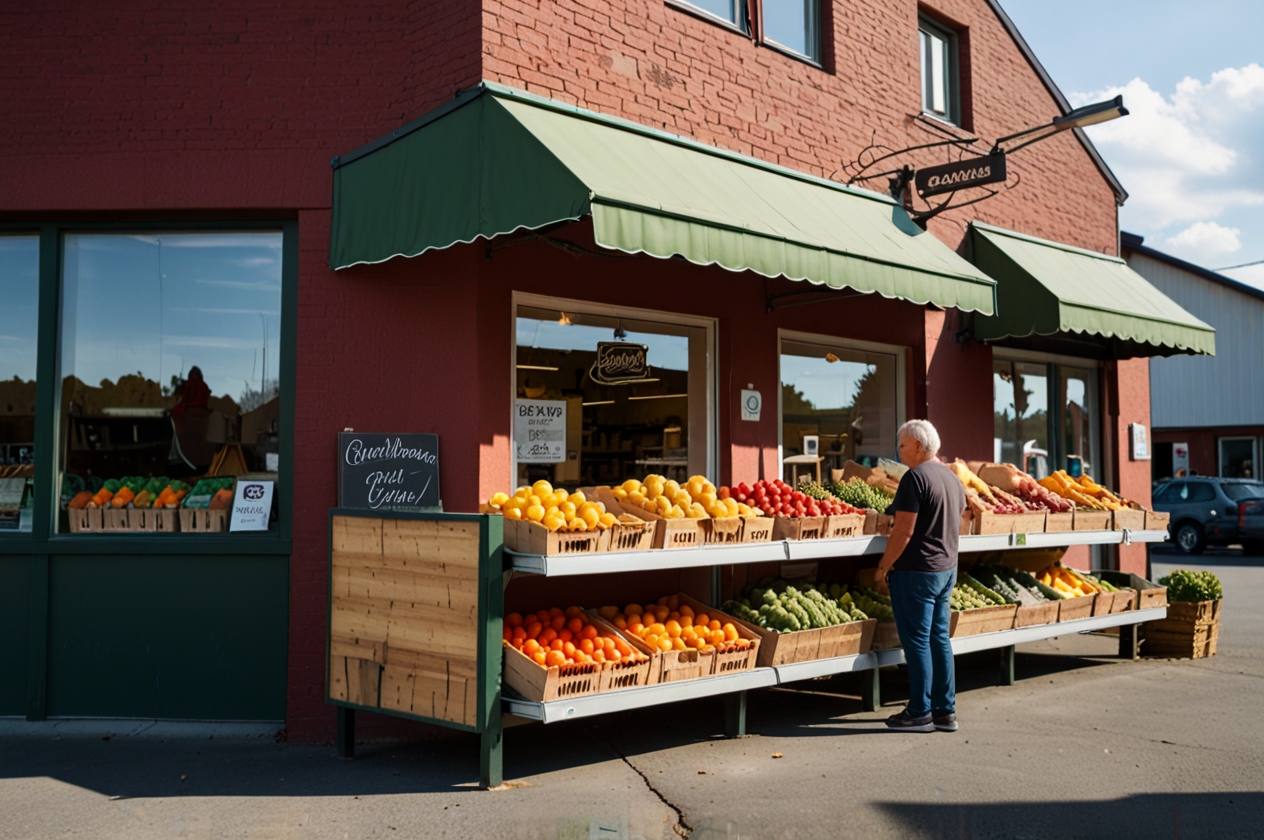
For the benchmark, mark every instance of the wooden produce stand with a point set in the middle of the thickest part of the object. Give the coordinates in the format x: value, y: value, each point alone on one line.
x: 416, y: 621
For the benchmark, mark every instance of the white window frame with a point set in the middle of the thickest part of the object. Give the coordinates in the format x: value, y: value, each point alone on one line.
x: 812, y: 36
x: 826, y: 342
x: 927, y: 29
x: 712, y: 445
x: 1255, y: 453
x: 739, y: 13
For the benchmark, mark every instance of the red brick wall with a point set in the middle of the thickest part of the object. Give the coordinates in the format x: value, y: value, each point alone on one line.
x: 1204, y: 446
x: 1128, y: 401
x: 224, y: 105
x: 649, y: 62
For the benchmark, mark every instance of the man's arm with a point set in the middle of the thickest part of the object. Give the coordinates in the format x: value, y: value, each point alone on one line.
x: 901, y: 533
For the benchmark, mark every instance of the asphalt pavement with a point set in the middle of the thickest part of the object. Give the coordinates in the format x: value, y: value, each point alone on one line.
x: 1086, y: 745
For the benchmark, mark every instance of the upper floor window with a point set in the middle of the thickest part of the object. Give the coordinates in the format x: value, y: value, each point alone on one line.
x: 794, y: 25
x: 939, y: 71
x: 730, y: 11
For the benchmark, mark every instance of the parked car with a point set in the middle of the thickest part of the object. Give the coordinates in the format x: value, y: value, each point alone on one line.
x: 1213, y: 511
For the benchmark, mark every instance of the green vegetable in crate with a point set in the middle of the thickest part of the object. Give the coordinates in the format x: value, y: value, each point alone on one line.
x: 983, y: 592
x: 778, y: 604
x: 113, y: 485
x: 857, y: 493
x: 1184, y: 585
x: 811, y: 489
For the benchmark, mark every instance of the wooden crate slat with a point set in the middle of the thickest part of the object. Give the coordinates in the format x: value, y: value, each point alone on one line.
x: 458, y: 593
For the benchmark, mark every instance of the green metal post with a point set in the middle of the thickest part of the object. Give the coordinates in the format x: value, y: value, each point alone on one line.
x: 735, y: 715
x: 490, y: 653
x: 345, y: 740
x: 1007, y: 665
x: 871, y: 690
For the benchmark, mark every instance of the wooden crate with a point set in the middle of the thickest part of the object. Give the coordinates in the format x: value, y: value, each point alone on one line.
x: 637, y: 536
x: 885, y: 636
x: 983, y: 620
x: 1123, y: 600
x: 533, y: 538
x: 203, y: 521
x: 758, y: 529
x: 1091, y: 520
x: 1195, y: 612
x: 727, y: 531
x: 535, y: 682
x: 870, y: 527
x: 624, y: 674
x: 844, y: 526
x: 1070, y: 609
x: 677, y: 533
x: 804, y: 528
x: 1059, y: 523
x: 1157, y: 521
x: 116, y: 519
x: 677, y: 665
x: 86, y: 519
x: 404, y: 620
x: 884, y: 525
x: 161, y: 521
x: 1030, y: 615
x: 1180, y: 640
x: 732, y: 661
x: 1146, y: 595
x: 851, y: 638
x: 1133, y: 520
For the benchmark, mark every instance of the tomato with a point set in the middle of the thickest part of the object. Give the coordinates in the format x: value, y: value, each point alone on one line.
x: 723, y: 493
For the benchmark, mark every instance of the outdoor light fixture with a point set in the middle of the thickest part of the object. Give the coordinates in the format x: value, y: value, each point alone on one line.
x: 1098, y: 112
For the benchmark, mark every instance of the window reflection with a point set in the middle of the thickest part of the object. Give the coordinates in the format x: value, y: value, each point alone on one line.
x: 19, y: 319
x: 1021, y: 416
x: 170, y: 353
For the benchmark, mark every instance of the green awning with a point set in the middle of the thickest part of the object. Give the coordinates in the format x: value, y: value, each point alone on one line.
x: 1046, y: 288
x: 497, y: 160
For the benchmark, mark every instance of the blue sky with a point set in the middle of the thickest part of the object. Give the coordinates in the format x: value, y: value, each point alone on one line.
x: 1191, y: 154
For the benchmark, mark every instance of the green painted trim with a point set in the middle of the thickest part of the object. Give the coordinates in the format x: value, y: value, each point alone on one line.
x: 364, y: 513
x: 112, y: 545
x: 37, y: 650
x: 288, y: 375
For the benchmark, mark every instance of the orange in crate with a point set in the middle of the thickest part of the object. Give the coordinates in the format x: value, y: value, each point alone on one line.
x: 556, y: 637
x: 668, y: 625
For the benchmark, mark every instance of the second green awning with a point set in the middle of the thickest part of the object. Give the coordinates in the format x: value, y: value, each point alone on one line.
x: 498, y: 160
x: 1046, y: 288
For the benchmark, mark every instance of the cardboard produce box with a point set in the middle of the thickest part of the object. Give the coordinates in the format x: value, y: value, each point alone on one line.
x: 1091, y: 520
x: 758, y: 529
x: 1146, y: 595
x: 86, y: 519
x: 1157, y: 521
x: 540, y: 684
x: 1058, y: 523
x: 727, y: 662
x: 982, y: 620
x: 817, y: 643
x: 844, y: 526
x: 1069, y: 609
x: 1030, y: 615
x: 524, y: 537
x: 1133, y: 520
x: 803, y: 528
x: 635, y: 536
x: 727, y: 531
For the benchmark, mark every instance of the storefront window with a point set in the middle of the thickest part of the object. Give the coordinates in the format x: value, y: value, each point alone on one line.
x: 1021, y: 416
x: 1079, y: 397
x: 843, y: 400
x: 170, y: 353
x: 1237, y: 457
x: 19, y: 317
x: 627, y: 397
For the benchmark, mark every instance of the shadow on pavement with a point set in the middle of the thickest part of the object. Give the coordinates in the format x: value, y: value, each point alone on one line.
x: 137, y: 767
x: 1187, y: 816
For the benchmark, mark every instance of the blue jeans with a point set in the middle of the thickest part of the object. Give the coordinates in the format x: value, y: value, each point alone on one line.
x: 920, y: 603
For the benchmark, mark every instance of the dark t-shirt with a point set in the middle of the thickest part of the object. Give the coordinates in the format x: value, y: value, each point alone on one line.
x: 931, y: 491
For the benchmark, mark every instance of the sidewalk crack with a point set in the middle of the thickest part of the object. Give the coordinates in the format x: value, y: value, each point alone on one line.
x: 682, y: 827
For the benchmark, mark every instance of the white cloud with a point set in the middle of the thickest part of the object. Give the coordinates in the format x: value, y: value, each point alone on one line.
x: 1191, y: 157
x: 1205, y: 240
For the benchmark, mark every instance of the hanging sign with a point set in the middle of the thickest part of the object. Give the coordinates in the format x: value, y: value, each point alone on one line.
x: 252, y: 506
x: 962, y: 175
x: 619, y: 362
x: 540, y: 431
x: 388, y: 471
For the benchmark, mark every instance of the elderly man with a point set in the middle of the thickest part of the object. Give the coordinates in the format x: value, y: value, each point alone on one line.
x: 919, y: 570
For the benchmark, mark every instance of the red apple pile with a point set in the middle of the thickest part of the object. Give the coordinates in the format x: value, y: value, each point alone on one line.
x: 776, y: 498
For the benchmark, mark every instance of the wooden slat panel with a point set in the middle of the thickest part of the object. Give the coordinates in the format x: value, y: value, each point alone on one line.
x: 355, y: 534
x: 404, y: 616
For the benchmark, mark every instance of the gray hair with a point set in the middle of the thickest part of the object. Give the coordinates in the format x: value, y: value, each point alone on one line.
x: 924, y: 433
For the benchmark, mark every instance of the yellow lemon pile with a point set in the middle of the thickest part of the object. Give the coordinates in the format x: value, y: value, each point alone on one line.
x: 556, y: 510
x: 697, y: 498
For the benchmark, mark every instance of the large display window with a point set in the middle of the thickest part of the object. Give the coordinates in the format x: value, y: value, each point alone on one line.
x: 1027, y: 433
x: 840, y: 400
x: 616, y: 393
x: 170, y: 348
x: 19, y: 319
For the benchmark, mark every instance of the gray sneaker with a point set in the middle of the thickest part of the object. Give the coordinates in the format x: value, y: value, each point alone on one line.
x: 945, y: 723
x: 904, y: 722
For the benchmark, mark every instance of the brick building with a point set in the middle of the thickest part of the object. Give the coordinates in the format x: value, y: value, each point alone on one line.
x: 133, y: 122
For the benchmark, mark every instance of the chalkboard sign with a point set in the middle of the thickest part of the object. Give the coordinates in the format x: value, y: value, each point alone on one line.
x: 388, y: 472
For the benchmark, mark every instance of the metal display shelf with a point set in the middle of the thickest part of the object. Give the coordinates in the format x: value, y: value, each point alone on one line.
x: 653, y: 695
x: 636, y: 698
x: 965, y: 644
x: 723, y: 555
